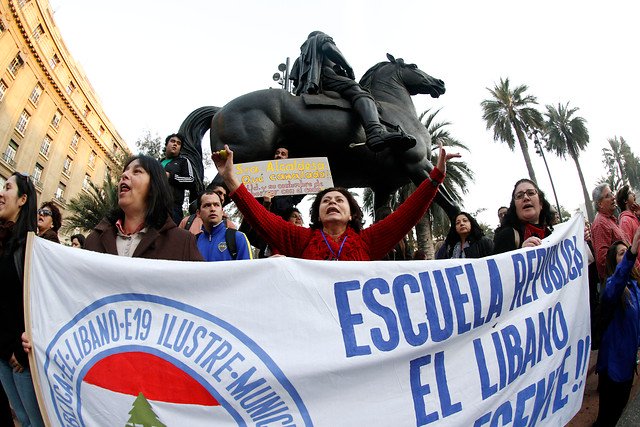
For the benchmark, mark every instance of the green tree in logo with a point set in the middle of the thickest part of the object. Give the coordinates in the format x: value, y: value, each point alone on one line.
x: 142, y: 414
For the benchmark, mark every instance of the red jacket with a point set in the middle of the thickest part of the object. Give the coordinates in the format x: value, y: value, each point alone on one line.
x: 372, y: 243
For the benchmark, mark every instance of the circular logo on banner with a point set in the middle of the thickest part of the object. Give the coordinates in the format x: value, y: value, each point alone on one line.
x: 136, y: 359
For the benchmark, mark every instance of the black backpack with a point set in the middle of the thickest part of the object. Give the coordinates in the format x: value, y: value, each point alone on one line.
x: 229, y: 237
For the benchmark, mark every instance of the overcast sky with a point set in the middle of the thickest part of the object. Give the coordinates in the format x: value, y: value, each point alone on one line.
x: 153, y: 62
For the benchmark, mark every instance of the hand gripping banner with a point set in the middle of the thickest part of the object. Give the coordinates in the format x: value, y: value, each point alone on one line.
x: 502, y: 340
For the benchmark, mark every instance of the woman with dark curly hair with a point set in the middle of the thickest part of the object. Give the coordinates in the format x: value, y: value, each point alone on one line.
x: 49, y: 221
x: 335, y: 232
x: 465, y: 240
x: 528, y: 219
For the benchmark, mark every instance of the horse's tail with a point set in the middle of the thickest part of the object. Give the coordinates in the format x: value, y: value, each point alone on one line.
x: 193, y: 128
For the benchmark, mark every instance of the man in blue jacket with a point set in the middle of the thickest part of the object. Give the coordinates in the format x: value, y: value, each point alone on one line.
x: 215, y: 241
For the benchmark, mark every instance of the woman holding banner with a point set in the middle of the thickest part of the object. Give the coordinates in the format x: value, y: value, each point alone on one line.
x: 17, y: 218
x: 141, y: 226
x: 335, y: 231
x: 620, y: 320
x: 527, y: 221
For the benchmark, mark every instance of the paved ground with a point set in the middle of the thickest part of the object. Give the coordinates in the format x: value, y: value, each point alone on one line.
x: 589, y: 411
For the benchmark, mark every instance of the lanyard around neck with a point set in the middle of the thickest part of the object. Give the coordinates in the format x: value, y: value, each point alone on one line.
x: 335, y: 257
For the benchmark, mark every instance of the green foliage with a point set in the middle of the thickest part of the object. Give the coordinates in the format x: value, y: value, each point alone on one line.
x: 567, y: 134
x: 623, y: 166
x: 435, y: 223
x: 142, y: 414
x: 458, y: 172
x: 149, y: 145
x: 509, y: 111
x: 89, y: 207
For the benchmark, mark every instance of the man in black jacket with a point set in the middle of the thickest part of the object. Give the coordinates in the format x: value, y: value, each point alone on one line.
x: 179, y: 172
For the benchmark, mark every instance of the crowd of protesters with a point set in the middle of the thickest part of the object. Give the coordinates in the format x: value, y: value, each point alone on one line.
x: 144, y: 225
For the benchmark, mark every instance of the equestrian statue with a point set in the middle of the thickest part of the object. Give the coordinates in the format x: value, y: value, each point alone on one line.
x: 369, y: 131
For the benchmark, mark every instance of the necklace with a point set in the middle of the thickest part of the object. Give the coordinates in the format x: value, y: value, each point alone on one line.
x: 335, y: 257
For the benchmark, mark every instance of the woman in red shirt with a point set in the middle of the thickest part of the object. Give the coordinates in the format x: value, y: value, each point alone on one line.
x: 335, y: 231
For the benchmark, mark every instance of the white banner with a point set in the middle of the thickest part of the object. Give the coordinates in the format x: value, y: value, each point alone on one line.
x: 282, y: 342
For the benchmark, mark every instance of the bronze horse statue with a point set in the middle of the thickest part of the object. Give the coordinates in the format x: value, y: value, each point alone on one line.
x: 255, y: 123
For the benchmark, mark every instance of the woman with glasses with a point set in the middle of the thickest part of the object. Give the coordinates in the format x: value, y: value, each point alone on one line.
x: 49, y: 221
x: 17, y: 218
x: 528, y: 219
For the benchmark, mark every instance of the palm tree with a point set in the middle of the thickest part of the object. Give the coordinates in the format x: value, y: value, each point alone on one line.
x: 435, y: 223
x: 567, y: 134
x: 622, y: 164
x: 510, y: 111
x: 89, y: 207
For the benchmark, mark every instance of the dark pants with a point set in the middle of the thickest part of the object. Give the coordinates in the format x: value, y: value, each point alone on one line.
x: 613, y: 399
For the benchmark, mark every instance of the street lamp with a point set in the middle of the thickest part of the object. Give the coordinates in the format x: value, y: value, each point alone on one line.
x: 536, y: 136
x: 283, y: 79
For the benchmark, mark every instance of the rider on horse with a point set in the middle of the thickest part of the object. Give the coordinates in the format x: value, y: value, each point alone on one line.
x: 322, y: 67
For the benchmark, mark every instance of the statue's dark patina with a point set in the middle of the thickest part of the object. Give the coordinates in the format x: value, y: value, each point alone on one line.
x: 254, y: 124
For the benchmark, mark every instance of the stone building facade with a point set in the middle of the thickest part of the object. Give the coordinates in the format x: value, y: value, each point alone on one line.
x: 52, y: 125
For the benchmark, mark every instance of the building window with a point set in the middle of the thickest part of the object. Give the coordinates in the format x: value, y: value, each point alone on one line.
x: 37, y: 32
x: 60, y: 192
x: 21, y: 3
x: 107, y: 173
x: 35, y: 93
x: 71, y: 88
x: 3, y: 89
x: 86, y: 111
x: 92, y: 159
x: 15, y: 64
x: 100, y: 130
x: 54, y: 61
x: 37, y: 175
x: 57, y: 117
x: 66, y: 168
x: 45, y: 145
x: 86, y: 182
x: 9, y: 154
x: 74, y: 141
x: 2, y: 26
x: 21, y: 126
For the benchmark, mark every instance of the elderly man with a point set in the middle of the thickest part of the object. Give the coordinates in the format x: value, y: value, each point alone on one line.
x: 605, y: 229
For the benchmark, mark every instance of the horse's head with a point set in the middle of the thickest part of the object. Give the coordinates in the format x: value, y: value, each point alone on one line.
x: 415, y: 80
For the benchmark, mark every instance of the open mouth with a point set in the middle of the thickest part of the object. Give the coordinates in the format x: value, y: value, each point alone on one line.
x: 124, y: 187
x: 332, y: 210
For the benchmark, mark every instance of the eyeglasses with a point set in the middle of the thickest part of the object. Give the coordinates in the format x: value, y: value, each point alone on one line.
x: 529, y: 193
x: 44, y: 212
